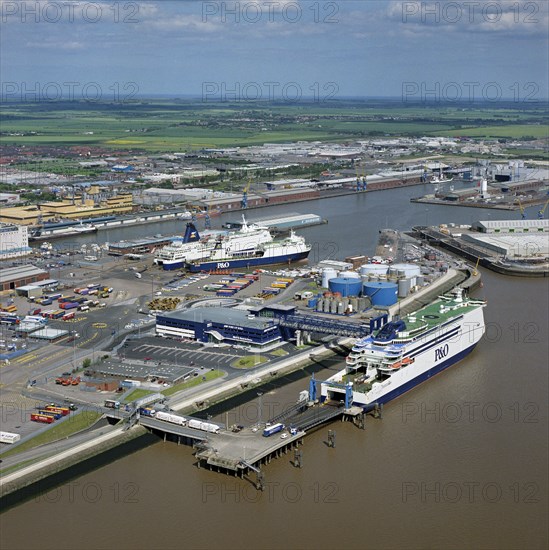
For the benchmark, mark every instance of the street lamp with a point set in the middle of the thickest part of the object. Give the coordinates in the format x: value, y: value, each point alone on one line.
x: 260, y: 395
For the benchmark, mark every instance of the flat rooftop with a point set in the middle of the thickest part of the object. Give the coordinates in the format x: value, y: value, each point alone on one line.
x: 227, y: 316
x: 21, y: 272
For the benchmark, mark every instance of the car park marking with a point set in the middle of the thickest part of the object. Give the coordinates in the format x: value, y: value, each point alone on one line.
x: 100, y: 325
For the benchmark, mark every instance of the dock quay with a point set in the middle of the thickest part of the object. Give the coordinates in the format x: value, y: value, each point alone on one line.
x: 245, y: 450
x: 492, y: 253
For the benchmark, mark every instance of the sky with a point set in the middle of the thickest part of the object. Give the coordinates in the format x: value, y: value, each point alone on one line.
x: 285, y: 49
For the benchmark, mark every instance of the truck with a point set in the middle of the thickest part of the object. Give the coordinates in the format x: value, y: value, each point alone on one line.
x: 68, y: 316
x: 84, y: 308
x: 9, y: 319
x: 147, y: 411
x: 110, y: 404
x: 270, y: 430
x: 9, y: 438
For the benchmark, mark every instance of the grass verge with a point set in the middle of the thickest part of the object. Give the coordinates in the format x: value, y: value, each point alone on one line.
x: 75, y: 423
x: 210, y: 375
x: 249, y: 361
x: 136, y: 394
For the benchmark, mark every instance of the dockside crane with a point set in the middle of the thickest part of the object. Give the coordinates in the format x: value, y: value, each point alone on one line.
x: 244, y: 201
x: 542, y: 211
x: 522, y: 211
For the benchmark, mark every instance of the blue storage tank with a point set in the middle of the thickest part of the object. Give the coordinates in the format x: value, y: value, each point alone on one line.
x: 347, y: 286
x: 381, y: 293
x: 312, y: 302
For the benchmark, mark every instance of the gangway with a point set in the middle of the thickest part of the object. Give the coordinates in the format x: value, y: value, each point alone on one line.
x: 287, y: 413
x: 316, y: 415
x: 321, y: 324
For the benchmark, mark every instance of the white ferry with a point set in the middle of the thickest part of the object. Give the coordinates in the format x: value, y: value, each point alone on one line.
x: 405, y: 352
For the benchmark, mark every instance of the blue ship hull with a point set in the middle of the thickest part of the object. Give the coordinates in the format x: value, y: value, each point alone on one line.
x: 397, y: 392
x: 246, y: 262
x: 176, y: 265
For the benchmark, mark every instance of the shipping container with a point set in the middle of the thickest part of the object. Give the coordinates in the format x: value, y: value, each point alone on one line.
x: 64, y: 411
x: 68, y: 316
x: 56, y: 415
x: 196, y: 424
x: 44, y: 418
x: 173, y: 418
x: 68, y: 305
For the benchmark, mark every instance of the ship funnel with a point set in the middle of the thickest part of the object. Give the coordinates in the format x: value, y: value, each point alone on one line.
x: 191, y: 234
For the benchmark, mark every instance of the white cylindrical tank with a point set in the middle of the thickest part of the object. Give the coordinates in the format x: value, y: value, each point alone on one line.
x: 349, y: 274
x: 373, y: 269
x: 407, y: 270
x: 327, y: 274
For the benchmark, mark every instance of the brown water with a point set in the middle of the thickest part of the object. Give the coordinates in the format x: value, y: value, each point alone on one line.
x: 459, y: 462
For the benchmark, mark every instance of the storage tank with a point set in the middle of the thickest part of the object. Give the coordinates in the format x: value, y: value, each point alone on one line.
x: 354, y: 303
x: 420, y: 280
x: 381, y: 293
x: 404, y: 286
x: 327, y: 274
x: 340, y: 308
x: 374, y: 269
x: 346, y: 286
x: 407, y: 270
x: 312, y: 302
x: 327, y: 302
x: 349, y: 274
x: 320, y: 304
x: 333, y: 306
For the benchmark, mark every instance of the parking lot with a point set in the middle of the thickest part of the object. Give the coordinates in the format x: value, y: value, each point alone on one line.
x: 180, y: 353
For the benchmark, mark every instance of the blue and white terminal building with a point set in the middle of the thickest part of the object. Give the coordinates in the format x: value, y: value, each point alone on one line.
x: 220, y: 326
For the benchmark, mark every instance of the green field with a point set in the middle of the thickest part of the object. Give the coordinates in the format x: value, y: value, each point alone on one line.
x: 179, y: 125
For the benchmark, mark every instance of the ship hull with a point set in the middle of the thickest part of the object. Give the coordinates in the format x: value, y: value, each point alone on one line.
x: 60, y: 234
x: 232, y: 263
x: 411, y: 384
x: 169, y: 265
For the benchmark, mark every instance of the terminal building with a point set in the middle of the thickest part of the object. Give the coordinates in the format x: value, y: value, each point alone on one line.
x: 221, y: 326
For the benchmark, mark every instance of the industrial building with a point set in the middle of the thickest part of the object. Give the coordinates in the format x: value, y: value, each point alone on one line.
x: 220, y: 325
x: 23, y: 275
x: 78, y: 208
x: 512, y: 226
x: 14, y: 241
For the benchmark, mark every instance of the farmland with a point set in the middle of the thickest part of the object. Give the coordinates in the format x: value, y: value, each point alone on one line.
x: 184, y: 125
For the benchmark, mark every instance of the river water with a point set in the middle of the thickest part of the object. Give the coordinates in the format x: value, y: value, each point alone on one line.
x: 458, y: 462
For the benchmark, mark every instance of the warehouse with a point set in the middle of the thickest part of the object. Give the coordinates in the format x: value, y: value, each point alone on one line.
x: 512, y: 226
x: 220, y: 325
x: 23, y: 275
